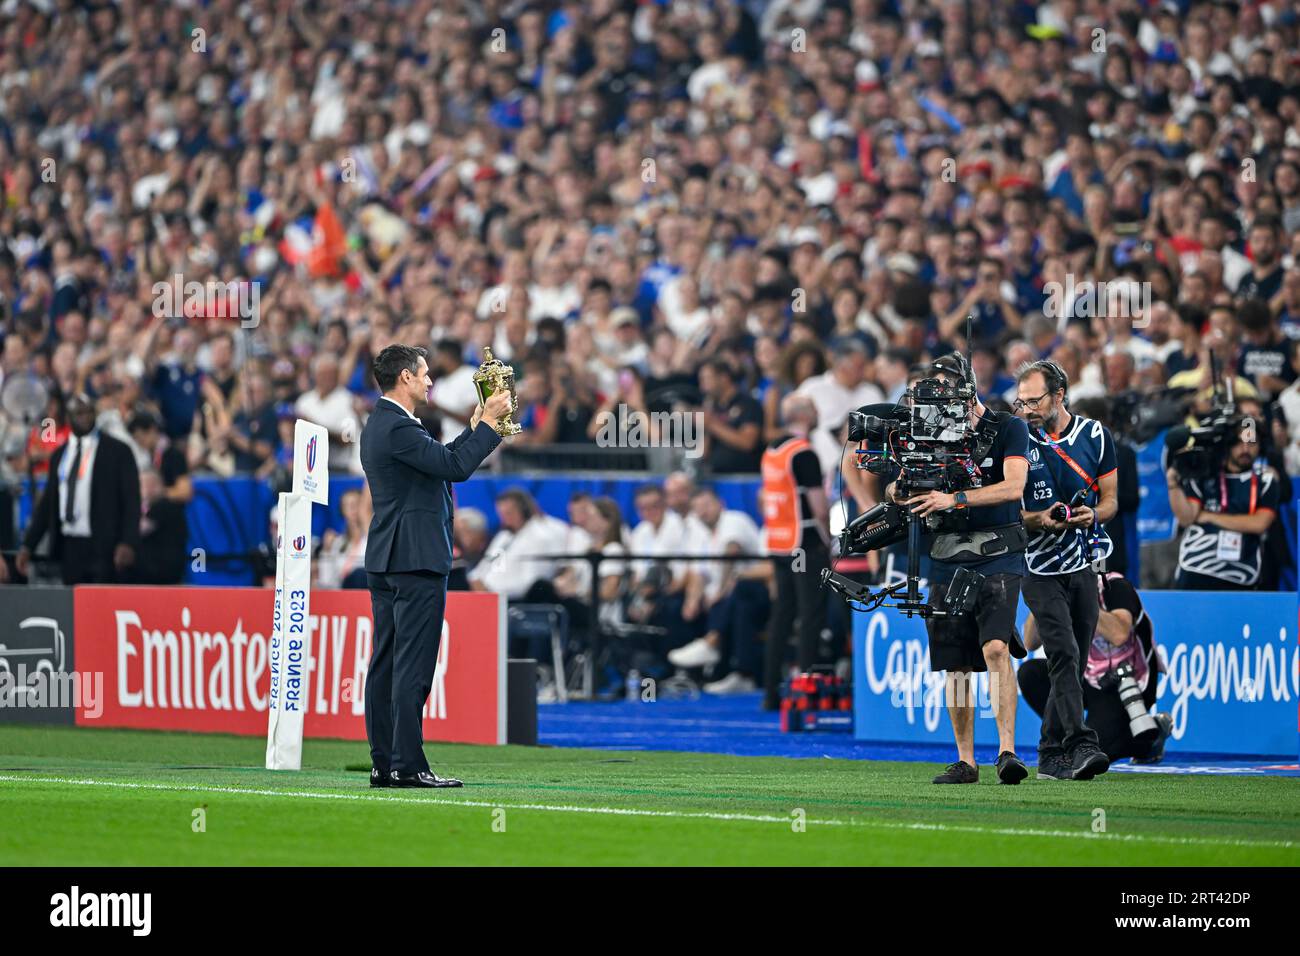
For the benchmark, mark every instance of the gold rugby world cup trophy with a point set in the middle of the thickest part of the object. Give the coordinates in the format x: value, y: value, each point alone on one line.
x: 496, y: 376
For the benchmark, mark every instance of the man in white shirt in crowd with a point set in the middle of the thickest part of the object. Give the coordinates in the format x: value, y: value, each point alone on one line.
x: 330, y: 405
x: 659, y: 587
x: 453, y: 396
x: 573, y: 578
x: 679, y: 488
x: 526, y: 531
x: 836, y: 392
x: 733, y: 596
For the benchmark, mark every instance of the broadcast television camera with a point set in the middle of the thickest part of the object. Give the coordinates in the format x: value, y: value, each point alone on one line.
x: 1200, y: 452
x: 925, y: 443
x: 1141, y: 416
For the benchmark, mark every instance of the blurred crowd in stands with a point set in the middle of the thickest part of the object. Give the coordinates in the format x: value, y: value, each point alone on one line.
x: 690, y: 207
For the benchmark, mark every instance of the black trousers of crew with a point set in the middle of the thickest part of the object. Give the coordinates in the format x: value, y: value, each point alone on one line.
x: 797, y: 592
x: 408, y: 610
x: 1106, y: 715
x: 1065, y: 609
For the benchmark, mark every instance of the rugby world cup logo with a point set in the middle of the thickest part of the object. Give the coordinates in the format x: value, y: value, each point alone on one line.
x: 299, y: 542
x: 311, y: 454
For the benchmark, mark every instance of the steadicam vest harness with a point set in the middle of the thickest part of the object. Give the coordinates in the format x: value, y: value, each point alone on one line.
x: 964, y: 547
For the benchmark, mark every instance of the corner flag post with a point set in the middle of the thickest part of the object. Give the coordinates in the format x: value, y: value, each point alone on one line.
x: 290, y: 652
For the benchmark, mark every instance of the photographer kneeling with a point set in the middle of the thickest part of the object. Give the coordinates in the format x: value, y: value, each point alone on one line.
x: 1227, y: 514
x: 1119, y: 677
x: 980, y: 531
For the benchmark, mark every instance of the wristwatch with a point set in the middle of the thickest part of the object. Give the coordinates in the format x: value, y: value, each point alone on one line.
x: 959, y: 500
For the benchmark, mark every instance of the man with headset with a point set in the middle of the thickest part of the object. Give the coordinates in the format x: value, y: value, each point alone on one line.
x: 1071, y: 463
x: 982, y: 533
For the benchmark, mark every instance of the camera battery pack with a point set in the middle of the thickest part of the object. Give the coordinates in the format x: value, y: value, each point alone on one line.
x: 963, y: 591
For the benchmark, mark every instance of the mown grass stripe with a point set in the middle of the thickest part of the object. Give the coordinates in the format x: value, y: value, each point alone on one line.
x: 379, y: 798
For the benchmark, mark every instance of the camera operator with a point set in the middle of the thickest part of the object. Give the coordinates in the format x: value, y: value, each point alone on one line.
x: 1227, y: 514
x: 1071, y: 458
x: 1122, y: 650
x: 981, y: 532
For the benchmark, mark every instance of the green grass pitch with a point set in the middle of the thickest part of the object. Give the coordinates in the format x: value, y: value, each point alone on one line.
x: 75, y: 797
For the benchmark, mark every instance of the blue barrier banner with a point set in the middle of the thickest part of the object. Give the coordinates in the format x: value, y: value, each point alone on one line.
x: 1232, y: 684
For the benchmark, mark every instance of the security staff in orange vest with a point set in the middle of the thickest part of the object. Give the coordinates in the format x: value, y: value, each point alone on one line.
x: 794, y: 520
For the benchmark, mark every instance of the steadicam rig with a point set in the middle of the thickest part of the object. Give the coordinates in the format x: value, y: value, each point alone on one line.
x: 924, y: 443
x: 959, y: 598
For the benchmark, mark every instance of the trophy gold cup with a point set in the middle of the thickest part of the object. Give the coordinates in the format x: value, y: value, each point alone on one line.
x: 496, y: 376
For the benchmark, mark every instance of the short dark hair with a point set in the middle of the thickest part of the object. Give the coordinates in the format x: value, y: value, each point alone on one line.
x: 644, y: 491
x: 1254, y: 315
x: 720, y: 366
x: 900, y: 356
x: 1266, y: 222
x: 1054, y: 377
x: 520, y: 499
x: 143, y: 420
x: 451, y: 348
x: 955, y: 365
x: 392, y: 361
x: 1191, y: 316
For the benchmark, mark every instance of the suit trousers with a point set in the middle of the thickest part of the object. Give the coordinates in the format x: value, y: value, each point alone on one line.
x: 1066, y: 608
x: 86, y: 562
x: 408, y: 610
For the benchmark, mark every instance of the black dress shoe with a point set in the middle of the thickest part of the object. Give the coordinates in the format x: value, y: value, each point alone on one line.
x: 379, y: 779
x: 423, y: 779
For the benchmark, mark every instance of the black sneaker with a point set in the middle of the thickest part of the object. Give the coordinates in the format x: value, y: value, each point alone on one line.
x: 1011, y: 769
x: 959, y: 772
x: 1164, y: 727
x: 1088, y: 761
x: 1053, y: 767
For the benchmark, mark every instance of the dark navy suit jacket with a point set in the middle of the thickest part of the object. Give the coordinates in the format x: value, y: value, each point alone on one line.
x: 410, y: 477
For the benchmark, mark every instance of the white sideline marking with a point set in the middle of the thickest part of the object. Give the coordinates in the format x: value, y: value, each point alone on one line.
x: 674, y: 814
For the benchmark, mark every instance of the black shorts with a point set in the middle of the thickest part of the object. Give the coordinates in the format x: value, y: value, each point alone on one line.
x: 957, y: 643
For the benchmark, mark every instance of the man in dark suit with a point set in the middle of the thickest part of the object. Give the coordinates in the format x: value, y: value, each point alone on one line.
x: 90, y: 505
x: 408, y: 556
